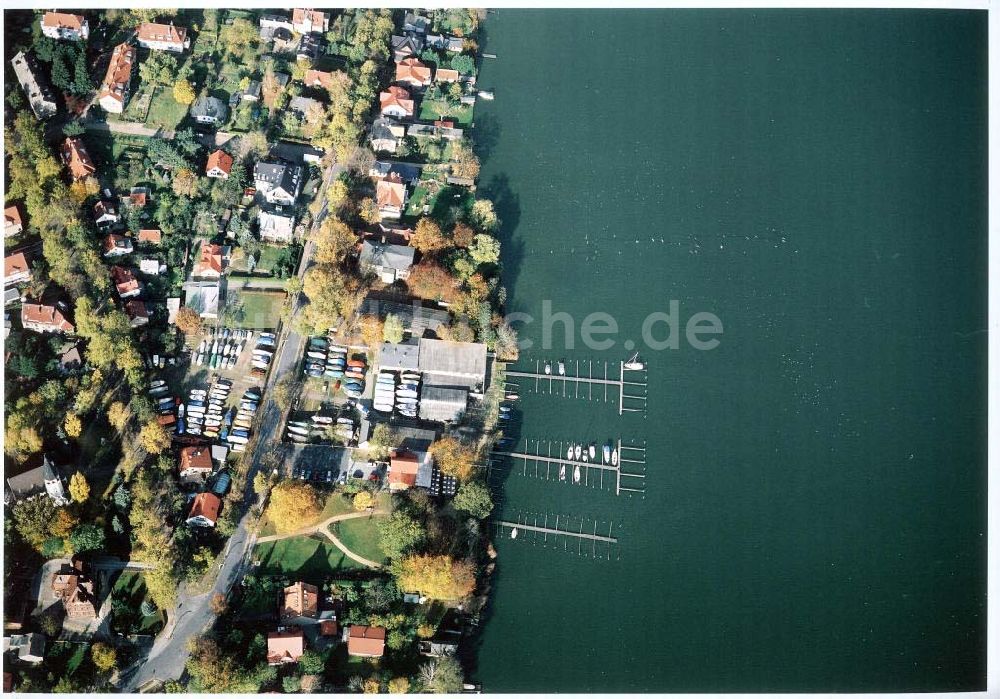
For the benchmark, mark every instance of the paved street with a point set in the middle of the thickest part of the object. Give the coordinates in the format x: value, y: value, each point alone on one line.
x: 124, y: 127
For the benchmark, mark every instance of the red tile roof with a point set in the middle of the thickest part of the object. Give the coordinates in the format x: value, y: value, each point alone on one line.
x: 62, y: 20
x: 12, y: 216
x: 150, y: 235
x: 166, y: 33
x: 197, y: 458
x: 15, y: 264
x: 396, y: 96
x: 403, y: 467
x: 411, y: 70
x: 219, y: 159
x: 124, y: 280
x: 51, y: 316
x: 366, y: 640
x: 119, y: 75
x: 390, y: 192
x: 446, y: 75
x: 301, y: 599
x: 210, y: 260
x: 206, y: 505
x: 77, y: 159
x: 285, y: 646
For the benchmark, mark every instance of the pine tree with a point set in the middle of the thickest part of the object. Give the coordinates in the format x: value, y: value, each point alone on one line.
x: 60, y: 73
x: 82, y: 83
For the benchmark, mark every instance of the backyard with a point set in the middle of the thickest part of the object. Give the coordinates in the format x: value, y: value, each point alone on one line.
x: 304, y: 556
x: 258, y: 309
x: 360, y: 536
x: 127, y: 597
x: 432, y: 109
x: 165, y: 112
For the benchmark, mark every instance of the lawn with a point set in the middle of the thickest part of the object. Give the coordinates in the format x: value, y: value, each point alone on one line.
x: 164, y: 111
x: 261, y: 309
x: 461, y: 114
x: 360, y: 536
x: 130, y: 589
x: 420, y: 196
x: 305, y: 556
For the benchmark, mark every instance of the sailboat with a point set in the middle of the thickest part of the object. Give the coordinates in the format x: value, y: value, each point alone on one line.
x: 592, y: 451
x: 614, y: 457
x: 607, y: 453
x: 562, y: 472
x: 548, y: 367
x: 569, y: 452
x: 577, y: 450
x: 576, y: 474
x: 633, y: 364
x: 585, y: 457
x: 513, y: 533
x: 562, y: 368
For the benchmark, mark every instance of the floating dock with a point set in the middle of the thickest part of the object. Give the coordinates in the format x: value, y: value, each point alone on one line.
x: 549, y: 530
x: 631, y: 394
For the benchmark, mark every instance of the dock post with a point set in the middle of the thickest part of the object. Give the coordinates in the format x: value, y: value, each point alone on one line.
x: 621, y: 390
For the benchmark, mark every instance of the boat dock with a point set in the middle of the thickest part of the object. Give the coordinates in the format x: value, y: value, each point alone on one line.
x: 592, y: 472
x: 581, y: 379
x: 549, y: 530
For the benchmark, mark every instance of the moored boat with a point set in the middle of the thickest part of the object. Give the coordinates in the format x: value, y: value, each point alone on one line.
x: 577, y: 451
x: 562, y: 472
x: 614, y: 457
x: 592, y: 451
x: 576, y: 474
x: 562, y: 368
x: 607, y: 453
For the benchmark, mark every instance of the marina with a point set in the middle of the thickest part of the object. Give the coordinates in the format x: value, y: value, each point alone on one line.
x: 590, y: 380
x: 551, y: 530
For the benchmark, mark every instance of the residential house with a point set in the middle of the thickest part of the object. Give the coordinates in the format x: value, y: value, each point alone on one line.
x: 41, y: 480
x: 416, y: 23
x: 276, y: 228
x: 219, y: 165
x: 386, y: 135
x: 203, y: 297
x: 30, y: 648
x: 138, y: 197
x: 125, y: 282
x: 77, y: 159
x: 204, y: 510
x: 16, y: 269
x: 163, y: 37
x: 405, y: 46
x: 150, y: 266
x: 137, y: 312
x: 76, y: 591
x: 435, y: 130
x: 389, y: 262
x: 44, y: 318
x: 275, y: 27
x: 413, y: 72
x: 13, y: 223
x: 195, y: 462
x: 311, y: 47
x: 285, y: 646
x: 319, y: 78
x: 391, y: 195
x: 456, y: 44
x: 446, y: 75
x: 10, y: 295
x: 116, y: 245
x: 41, y: 99
x: 106, y: 213
x: 416, y: 318
x: 439, y: 647
x: 308, y: 21
x: 441, y: 404
x: 209, y: 110
x: 278, y: 182
x: 365, y: 641
x: 70, y: 359
x: 300, y: 601
x: 296, y: 153
x: 211, y: 261
x: 150, y: 236
x: 408, y: 173
x: 409, y: 469
x: 396, y: 102
x: 62, y: 25
x: 117, y: 85
x: 301, y: 105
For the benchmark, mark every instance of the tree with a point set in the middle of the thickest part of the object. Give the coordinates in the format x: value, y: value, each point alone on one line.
x: 185, y: 183
x: 461, y: 235
x: 383, y: 440
x: 294, y: 504
x: 475, y: 498
x: 189, y: 321
x: 218, y: 604
x: 483, y: 216
x: 453, y: 457
x: 334, y: 241
x: 363, y: 501
x: 104, y: 656
x: 72, y: 425
x: 400, y: 533
x: 33, y: 519
x: 159, y: 68
x: 311, y: 663
x: 392, y: 329
x: 240, y: 39
x: 79, y: 489
x: 261, y: 483
x: 442, y: 675
x: 118, y: 414
x: 86, y: 537
x: 437, y: 576
x: 427, y: 237
x: 154, y: 438
x: 368, y: 211
x: 485, y: 249
x: 464, y: 64
x: 64, y: 523
x: 372, y: 331
x: 184, y: 92
x: 464, y: 163
x: 429, y: 280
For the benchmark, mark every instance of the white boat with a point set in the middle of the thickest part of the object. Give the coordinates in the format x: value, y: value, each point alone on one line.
x: 592, y: 451
x: 298, y: 430
x: 607, y: 453
x: 614, y: 457
x: 548, y: 367
x: 562, y: 472
x: 339, y: 349
x: 569, y: 452
x: 345, y: 421
x: 322, y: 419
x: 406, y: 393
x: 316, y: 355
x: 633, y: 364
x: 298, y: 423
x: 412, y: 378
x: 513, y: 533
x: 585, y: 457
x: 577, y: 451
x: 576, y: 474
x: 562, y: 368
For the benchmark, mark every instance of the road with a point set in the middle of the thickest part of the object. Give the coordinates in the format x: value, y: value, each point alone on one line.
x: 193, y: 615
x: 124, y: 127
x: 324, y: 529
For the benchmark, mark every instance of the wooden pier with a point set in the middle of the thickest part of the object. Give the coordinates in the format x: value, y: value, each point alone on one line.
x: 630, y: 454
x: 551, y: 530
x: 580, y: 380
x: 558, y: 532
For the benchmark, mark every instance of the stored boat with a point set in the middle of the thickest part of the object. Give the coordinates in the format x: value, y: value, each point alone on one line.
x: 576, y: 474
x: 562, y: 472
x: 577, y: 451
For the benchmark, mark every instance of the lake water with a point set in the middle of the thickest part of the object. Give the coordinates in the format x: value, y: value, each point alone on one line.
x: 815, y: 512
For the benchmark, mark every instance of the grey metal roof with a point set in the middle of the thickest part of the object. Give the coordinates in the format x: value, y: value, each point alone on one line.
x: 401, y: 356
x: 440, y: 404
x: 453, y: 363
x: 414, y: 439
x: 26, y: 484
x: 302, y: 105
x: 209, y: 107
x: 416, y: 319
x: 386, y: 255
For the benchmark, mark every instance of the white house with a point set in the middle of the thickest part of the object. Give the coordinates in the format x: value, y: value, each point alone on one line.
x: 62, y: 25
x: 276, y: 228
x: 162, y: 37
x: 278, y: 182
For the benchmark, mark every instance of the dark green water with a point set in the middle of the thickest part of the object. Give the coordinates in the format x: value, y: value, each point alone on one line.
x: 815, y: 509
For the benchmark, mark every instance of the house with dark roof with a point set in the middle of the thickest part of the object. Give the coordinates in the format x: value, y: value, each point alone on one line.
x: 41, y: 480
x: 405, y: 46
x: 416, y: 318
x: 442, y: 404
x: 386, y: 135
x: 209, y: 110
x: 137, y: 312
x: 390, y: 262
x: 311, y: 47
x: 416, y: 23
x: 278, y: 182
x: 30, y: 648
x: 40, y: 96
x: 106, y: 213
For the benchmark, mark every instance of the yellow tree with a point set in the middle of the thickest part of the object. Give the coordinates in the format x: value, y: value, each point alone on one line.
x: 399, y: 685
x: 104, y: 656
x: 368, y: 210
x: 183, y: 92
x: 363, y: 501
x: 428, y: 236
x: 72, y: 425
x: 334, y: 240
x: 453, y: 457
x: 79, y: 488
x: 438, y: 577
x: 185, y: 183
x: 189, y: 321
x: 154, y: 438
x: 371, y: 330
x: 118, y: 414
x: 63, y: 523
x: 293, y: 505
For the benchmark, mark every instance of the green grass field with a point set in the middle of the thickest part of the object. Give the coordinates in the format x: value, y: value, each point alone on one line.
x: 461, y: 114
x: 131, y: 587
x: 360, y: 536
x: 260, y: 309
x: 164, y: 111
x: 306, y: 556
